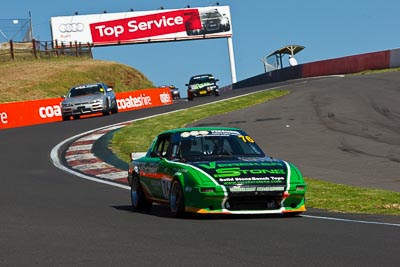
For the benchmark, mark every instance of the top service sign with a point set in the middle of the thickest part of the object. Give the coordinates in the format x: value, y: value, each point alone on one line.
x: 143, y: 26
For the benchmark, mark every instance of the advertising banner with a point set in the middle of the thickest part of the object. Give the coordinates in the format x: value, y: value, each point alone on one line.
x: 26, y: 113
x: 143, y: 26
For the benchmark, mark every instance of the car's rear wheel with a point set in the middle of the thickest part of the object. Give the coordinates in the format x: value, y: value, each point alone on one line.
x: 138, y: 199
x: 177, y: 199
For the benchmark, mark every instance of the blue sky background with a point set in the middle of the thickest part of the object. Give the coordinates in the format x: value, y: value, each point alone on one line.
x: 328, y: 29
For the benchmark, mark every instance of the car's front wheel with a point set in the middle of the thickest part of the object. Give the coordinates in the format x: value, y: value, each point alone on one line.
x: 66, y: 118
x: 138, y: 199
x: 106, y: 110
x: 190, y: 96
x: 114, y: 110
x: 177, y: 199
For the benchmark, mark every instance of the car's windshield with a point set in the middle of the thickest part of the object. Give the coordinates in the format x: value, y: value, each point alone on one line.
x: 86, y: 90
x: 214, y: 143
x: 210, y: 15
x: 202, y: 79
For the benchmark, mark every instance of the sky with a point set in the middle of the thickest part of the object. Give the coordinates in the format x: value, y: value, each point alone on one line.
x: 327, y: 29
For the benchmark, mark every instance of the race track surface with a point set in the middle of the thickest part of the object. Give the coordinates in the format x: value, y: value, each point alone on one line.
x: 343, y: 130
x: 338, y: 129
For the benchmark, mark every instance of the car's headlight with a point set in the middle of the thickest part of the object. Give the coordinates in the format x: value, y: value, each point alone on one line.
x: 96, y: 101
x: 224, y: 21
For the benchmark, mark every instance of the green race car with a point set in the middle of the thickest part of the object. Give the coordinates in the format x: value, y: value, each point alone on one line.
x: 214, y: 170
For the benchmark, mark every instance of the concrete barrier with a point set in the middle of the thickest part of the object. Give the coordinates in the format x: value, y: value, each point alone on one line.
x: 344, y: 65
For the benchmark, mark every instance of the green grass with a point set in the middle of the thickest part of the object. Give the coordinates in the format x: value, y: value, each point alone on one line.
x: 320, y: 194
x: 344, y: 198
x: 50, y: 78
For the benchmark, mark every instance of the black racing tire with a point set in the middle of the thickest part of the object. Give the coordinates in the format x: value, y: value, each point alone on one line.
x: 138, y: 199
x: 190, y: 96
x: 177, y: 199
x: 76, y: 117
x: 66, y: 118
x: 114, y: 110
x: 106, y: 111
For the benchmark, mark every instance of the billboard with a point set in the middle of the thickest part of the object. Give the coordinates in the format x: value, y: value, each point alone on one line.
x: 143, y: 26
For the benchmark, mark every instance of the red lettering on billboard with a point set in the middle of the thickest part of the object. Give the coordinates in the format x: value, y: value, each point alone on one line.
x: 145, y: 26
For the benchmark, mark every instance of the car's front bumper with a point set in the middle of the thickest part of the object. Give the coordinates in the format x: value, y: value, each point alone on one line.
x: 224, y: 203
x: 81, y: 109
x: 203, y: 91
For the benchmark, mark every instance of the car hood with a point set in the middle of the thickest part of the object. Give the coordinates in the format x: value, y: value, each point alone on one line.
x: 82, y: 99
x: 260, y: 172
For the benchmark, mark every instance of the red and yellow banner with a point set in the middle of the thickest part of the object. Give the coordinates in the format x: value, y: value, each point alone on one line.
x: 18, y: 114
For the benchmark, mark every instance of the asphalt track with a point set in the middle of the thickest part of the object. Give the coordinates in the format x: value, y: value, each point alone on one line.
x: 345, y: 130
x: 49, y: 217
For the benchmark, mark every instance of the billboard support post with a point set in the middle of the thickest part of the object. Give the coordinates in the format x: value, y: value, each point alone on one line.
x: 232, y: 60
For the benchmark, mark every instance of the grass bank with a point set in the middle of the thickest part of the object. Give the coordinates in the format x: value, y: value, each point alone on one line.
x: 49, y: 78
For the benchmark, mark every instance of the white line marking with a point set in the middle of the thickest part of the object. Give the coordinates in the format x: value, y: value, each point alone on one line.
x: 349, y: 220
x: 80, y: 157
x: 80, y: 147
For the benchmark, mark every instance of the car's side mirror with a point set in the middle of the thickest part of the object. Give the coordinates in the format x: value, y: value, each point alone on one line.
x: 216, y: 80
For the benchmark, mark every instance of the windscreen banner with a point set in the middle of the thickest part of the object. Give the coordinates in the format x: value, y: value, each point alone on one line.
x: 18, y: 114
x: 143, y: 26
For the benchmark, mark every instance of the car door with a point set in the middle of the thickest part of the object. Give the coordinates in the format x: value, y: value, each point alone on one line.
x: 157, y: 176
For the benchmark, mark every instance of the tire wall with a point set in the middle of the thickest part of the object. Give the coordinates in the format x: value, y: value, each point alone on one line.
x: 344, y: 65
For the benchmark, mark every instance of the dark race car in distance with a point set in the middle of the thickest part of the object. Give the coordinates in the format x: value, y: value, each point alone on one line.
x: 174, y: 91
x: 88, y: 99
x: 202, y: 85
x: 214, y: 170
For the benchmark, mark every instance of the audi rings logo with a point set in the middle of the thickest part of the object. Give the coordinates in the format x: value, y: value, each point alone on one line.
x: 71, y: 27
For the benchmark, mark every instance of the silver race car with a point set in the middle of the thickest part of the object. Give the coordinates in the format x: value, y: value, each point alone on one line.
x: 88, y: 99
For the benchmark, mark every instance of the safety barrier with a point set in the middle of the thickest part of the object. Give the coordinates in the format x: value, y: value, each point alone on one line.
x: 18, y: 114
x: 344, y: 65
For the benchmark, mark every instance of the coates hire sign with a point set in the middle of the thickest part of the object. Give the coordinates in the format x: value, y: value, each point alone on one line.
x: 143, y: 26
x: 18, y: 114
